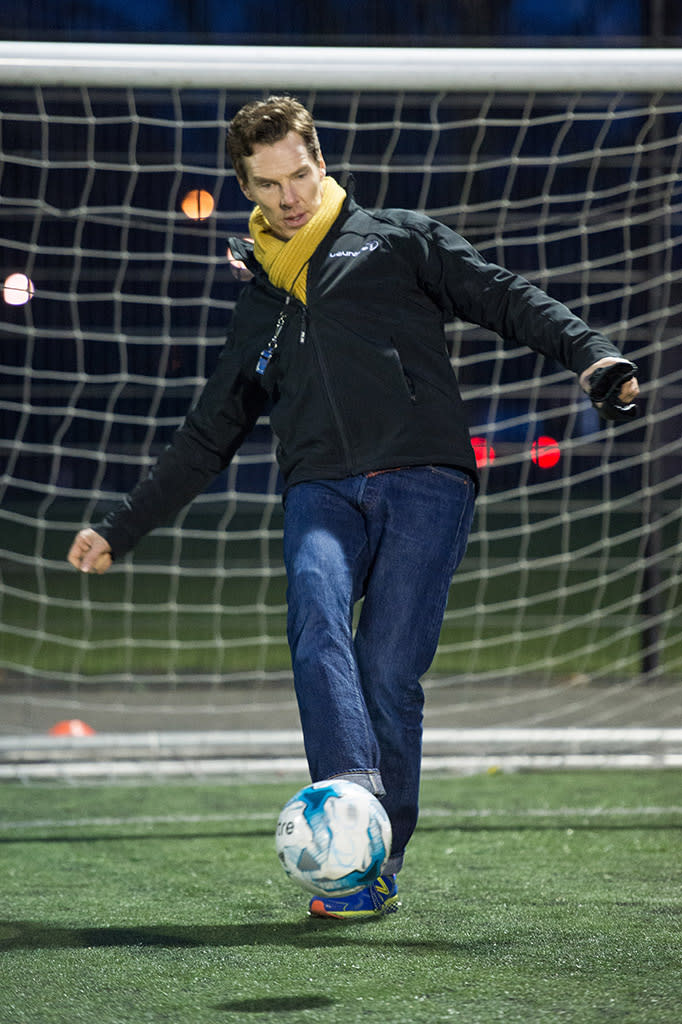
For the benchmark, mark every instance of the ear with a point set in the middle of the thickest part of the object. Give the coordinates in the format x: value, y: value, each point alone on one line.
x: 245, y: 189
x: 323, y: 167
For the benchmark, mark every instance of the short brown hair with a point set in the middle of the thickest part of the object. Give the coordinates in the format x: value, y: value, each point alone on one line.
x: 264, y: 122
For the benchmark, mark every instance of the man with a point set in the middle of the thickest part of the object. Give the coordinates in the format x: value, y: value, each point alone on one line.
x: 340, y: 331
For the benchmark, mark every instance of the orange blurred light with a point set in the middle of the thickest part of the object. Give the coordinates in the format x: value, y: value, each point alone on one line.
x: 71, y: 727
x: 485, y: 453
x: 545, y: 452
x: 17, y: 290
x: 198, y: 204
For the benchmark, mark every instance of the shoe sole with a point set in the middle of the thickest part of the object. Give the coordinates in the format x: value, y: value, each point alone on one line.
x: 318, y: 909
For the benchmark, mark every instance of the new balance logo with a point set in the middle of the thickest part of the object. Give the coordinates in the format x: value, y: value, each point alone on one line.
x: 367, y: 247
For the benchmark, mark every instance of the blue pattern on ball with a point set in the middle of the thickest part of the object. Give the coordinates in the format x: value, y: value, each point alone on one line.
x: 307, y: 857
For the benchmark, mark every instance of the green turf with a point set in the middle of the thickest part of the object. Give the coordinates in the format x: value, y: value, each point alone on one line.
x: 221, y: 608
x: 197, y: 624
x: 526, y: 898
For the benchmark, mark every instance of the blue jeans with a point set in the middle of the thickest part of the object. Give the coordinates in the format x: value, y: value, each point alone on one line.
x: 395, y: 539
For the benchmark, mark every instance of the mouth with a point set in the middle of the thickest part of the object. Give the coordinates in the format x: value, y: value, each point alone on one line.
x: 295, y: 220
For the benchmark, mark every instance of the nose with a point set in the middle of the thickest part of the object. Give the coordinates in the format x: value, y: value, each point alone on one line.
x: 287, y: 196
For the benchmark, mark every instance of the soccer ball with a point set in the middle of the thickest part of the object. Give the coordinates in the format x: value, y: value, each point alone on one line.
x: 333, y: 837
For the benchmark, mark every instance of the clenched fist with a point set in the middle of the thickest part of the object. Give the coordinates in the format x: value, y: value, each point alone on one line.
x: 90, y: 552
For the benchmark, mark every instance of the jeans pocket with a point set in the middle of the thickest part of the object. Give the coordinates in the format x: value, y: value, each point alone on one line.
x: 456, y: 475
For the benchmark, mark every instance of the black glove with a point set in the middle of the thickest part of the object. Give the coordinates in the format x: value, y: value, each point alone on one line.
x: 604, y: 387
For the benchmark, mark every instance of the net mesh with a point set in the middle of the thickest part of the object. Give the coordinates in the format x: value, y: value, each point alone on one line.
x: 120, y: 310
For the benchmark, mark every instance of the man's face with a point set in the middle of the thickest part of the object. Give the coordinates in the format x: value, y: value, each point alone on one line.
x: 286, y: 182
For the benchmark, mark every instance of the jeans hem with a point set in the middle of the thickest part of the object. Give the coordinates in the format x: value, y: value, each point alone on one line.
x: 367, y: 778
x: 393, y: 865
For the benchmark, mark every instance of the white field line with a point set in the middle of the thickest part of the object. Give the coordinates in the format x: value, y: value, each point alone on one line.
x: 474, y: 813
x: 486, y: 740
x: 278, y: 767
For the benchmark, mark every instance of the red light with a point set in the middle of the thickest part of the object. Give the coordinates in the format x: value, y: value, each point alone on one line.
x: 545, y: 452
x: 485, y: 453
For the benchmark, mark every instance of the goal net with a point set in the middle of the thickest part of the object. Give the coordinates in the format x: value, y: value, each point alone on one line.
x: 116, y: 204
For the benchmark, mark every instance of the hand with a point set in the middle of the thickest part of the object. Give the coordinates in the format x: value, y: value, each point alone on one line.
x: 612, y: 387
x: 239, y: 269
x: 90, y: 552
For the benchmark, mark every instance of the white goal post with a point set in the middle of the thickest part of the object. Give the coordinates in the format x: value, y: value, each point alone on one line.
x: 386, y: 69
x: 564, y: 165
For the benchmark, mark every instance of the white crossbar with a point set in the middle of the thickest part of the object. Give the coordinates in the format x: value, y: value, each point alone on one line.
x: 332, y: 67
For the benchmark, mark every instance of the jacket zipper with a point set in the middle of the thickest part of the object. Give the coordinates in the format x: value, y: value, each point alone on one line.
x: 326, y: 384
x: 409, y: 384
x: 304, y: 335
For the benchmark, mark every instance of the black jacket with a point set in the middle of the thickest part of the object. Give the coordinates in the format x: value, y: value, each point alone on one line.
x: 359, y: 378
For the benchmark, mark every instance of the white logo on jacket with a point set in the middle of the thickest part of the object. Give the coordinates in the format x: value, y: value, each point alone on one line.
x: 367, y: 247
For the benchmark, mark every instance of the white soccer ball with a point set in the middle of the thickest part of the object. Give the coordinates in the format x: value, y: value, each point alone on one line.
x: 333, y: 837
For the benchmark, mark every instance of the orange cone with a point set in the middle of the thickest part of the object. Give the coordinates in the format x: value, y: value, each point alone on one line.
x: 71, y: 727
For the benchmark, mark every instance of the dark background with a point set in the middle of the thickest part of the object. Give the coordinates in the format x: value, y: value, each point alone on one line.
x: 642, y: 22
x: 132, y: 301
x: 85, y: 288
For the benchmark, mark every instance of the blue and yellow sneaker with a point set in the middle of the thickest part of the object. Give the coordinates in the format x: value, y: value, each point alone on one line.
x: 381, y: 897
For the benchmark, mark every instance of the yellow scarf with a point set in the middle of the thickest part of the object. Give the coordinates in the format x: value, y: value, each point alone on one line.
x: 286, y: 263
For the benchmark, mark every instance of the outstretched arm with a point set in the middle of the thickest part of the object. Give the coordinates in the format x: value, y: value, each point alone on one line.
x: 213, y: 430
x: 466, y: 285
